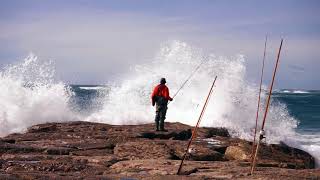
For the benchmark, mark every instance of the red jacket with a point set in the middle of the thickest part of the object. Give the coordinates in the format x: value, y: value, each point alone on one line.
x: 161, y: 90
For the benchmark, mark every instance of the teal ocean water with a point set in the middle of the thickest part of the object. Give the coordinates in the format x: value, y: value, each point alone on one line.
x: 304, y: 105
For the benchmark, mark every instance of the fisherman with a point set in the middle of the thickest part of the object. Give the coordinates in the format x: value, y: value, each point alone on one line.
x: 160, y: 97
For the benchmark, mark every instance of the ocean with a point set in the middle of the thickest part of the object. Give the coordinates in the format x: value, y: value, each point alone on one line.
x: 31, y: 94
x: 304, y: 105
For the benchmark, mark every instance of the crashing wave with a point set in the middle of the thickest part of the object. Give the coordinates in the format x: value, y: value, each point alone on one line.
x: 30, y: 96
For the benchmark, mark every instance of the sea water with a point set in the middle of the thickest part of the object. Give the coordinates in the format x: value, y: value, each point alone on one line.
x: 30, y: 94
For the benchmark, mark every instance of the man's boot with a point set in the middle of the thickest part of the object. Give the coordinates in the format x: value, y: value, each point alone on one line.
x: 162, y: 127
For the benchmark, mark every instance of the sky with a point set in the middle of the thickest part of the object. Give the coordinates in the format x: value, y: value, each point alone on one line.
x: 92, y: 42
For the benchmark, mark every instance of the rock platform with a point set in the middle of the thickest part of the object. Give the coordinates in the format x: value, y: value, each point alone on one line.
x: 85, y: 150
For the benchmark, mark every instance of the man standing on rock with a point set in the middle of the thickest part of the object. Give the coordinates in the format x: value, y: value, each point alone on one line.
x: 160, y: 97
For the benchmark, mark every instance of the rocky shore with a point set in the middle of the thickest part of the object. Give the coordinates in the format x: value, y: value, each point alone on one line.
x: 84, y: 150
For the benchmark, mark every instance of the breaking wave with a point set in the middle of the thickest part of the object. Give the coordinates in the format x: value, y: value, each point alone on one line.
x: 232, y: 105
x: 286, y: 91
x: 30, y: 96
x: 91, y: 88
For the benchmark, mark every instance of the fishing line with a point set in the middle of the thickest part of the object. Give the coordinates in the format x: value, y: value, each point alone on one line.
x: 189, y: 77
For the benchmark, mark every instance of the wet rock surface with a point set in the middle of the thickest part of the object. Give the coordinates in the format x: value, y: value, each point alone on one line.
x: 84, y: 150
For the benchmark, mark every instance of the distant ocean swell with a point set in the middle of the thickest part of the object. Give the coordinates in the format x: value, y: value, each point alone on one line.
x: 30, y: 95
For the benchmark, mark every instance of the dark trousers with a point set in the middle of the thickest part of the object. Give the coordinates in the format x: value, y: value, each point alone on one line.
x: 161, y: 111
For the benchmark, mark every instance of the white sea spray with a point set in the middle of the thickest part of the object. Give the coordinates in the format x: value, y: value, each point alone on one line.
x: 30, y: 96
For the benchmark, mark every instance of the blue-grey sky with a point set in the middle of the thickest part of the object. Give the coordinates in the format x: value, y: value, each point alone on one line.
x: 94, y: 41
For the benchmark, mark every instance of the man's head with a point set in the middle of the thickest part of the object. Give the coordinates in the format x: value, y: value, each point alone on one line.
x: 163, y: 81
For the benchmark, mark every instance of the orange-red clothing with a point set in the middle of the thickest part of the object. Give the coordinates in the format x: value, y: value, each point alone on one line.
x: 161, y: 90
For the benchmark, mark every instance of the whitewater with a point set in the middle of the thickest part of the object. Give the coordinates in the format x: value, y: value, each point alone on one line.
x: 30, y: 95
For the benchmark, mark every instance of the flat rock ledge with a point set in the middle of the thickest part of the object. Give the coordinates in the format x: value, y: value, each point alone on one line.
x: 85, y: 150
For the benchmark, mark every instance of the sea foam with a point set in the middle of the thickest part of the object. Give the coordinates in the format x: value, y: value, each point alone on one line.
x: 30, y: 96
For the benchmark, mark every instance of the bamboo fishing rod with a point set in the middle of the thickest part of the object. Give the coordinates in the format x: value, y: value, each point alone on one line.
x: 194, y: 132
x: 266, y: 110
x: 189, y: 77
x: 259, y: 97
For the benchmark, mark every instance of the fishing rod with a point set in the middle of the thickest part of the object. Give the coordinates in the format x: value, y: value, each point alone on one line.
x: 266, y: 110
x: 194, y: 132
x: 259, y: 97
x: 189, y: 77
